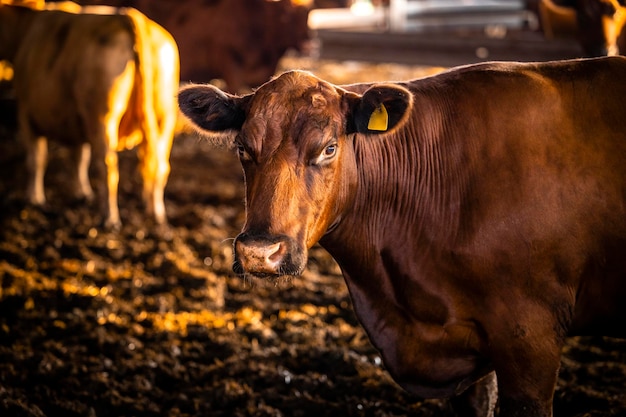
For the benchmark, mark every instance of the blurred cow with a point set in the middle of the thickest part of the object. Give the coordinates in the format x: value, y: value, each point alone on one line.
x: 238, y: 41
x: 98, y: 82
x: 597, y: 24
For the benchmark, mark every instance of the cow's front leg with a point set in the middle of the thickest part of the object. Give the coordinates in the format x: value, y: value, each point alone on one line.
x: 36, y: 160
x: 527, y: 361
x: 479, y: 400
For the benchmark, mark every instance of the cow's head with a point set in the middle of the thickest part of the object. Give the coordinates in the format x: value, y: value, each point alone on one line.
x: 295, y: 140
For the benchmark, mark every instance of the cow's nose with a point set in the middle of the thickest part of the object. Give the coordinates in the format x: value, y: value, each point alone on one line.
x: 264, y: 256
x: 260, y: 257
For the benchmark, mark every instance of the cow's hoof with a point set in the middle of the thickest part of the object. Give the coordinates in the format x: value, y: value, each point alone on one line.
x: 112, y: 225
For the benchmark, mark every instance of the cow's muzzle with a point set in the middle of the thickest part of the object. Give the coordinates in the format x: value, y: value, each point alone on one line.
x: 267, y: 256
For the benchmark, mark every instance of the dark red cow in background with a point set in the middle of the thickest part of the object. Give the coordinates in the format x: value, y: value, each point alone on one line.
x: 238, y: 41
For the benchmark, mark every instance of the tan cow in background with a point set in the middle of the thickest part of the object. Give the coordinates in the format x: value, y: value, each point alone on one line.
x: 99, y: 80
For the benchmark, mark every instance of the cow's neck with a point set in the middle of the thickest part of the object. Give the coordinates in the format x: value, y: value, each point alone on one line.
x: 406, y: 214
x: 411, y: 194
x: 405, y: 223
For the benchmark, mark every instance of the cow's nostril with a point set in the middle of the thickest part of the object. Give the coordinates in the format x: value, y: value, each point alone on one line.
x: 276, y: 252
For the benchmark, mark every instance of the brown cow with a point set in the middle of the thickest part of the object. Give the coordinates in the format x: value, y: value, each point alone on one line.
x: 478, y: 216
x: 97, y: 82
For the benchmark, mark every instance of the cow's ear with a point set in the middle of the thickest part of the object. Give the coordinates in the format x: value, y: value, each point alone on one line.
x: 381, y: 108
x: 211, y: 109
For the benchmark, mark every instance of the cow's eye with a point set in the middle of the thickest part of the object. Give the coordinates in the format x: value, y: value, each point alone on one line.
x: 330, y: 150
x: 242, y: 153
x: 326, y: 155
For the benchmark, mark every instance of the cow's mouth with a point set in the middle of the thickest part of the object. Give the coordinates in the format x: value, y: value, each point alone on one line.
x: 282, y: 272
x: 240, y: 271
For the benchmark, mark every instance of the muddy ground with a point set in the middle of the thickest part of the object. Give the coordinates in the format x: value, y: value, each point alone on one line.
x: 151, y: 322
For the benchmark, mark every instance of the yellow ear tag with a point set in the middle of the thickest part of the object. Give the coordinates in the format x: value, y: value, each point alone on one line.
x: 379, y: 119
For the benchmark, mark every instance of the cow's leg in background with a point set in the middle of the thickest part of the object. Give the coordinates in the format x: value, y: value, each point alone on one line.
x: 107, y: 141
x: 106, y: 174
x: 82, y: 159
x: 155, y: 168
x: 106, y: 171
x: 147, y: 167
x: 112, y: 174
x: 479, y: 400
x: 36, y: 161
x: 163, y: 150
x: 113, y: 180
